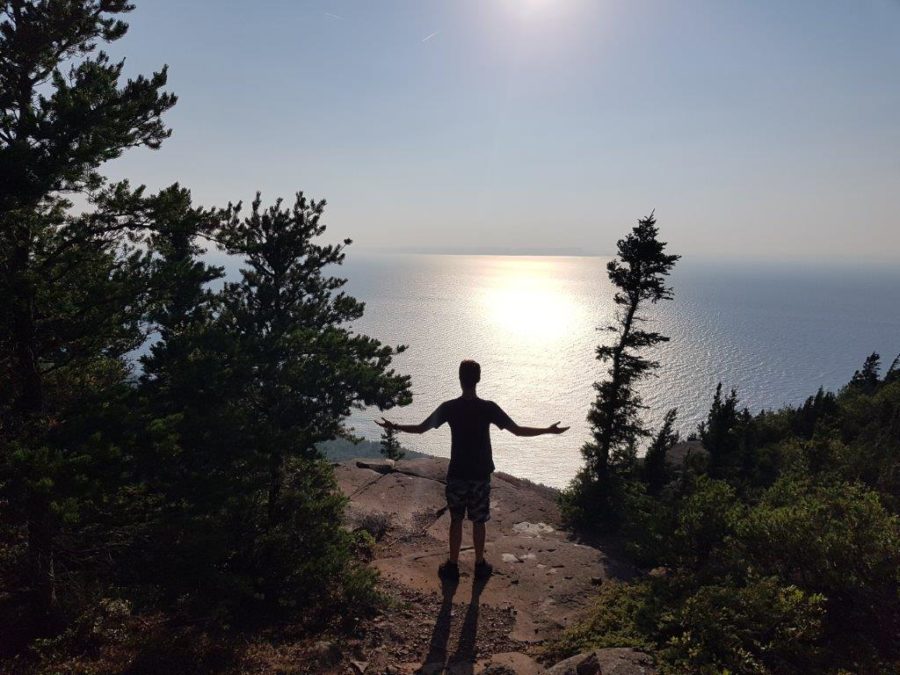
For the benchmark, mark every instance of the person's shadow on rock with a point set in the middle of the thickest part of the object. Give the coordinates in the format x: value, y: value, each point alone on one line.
x: 437, y: 647
x: 463, y: 660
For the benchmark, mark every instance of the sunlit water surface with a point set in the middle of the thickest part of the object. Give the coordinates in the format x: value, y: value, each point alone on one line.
x: 776, y: 333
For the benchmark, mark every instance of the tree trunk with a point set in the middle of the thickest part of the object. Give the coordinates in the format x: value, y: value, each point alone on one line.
x: 612, y: 402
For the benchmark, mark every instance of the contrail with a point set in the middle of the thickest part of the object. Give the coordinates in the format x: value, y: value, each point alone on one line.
x: 428, y: 37
x: 333, y: 16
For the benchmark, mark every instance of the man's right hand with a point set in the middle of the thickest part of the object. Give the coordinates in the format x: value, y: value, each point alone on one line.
x: 556, y: 429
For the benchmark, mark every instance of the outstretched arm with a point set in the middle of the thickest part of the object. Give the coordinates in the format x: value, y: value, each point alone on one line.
x: 408, y: 428
x: 536, y: 431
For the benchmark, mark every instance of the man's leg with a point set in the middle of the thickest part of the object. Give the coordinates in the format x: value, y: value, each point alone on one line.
x: 456, y: 525
x: 478, y: 532
x: 480, y: 513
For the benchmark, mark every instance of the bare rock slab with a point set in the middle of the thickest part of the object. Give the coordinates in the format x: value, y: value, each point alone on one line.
x: 508, y: 663
x: 612, y: 661
x: 540, y: 575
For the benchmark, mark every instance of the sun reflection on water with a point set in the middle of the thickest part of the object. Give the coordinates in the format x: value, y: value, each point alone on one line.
x: 526, y: 299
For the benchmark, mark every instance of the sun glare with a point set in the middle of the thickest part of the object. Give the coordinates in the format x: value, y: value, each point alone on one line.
x: 526, y: 301
x: 532, y: 10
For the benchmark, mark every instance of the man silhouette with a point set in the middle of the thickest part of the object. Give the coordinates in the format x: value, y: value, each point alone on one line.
x: 471, y: 464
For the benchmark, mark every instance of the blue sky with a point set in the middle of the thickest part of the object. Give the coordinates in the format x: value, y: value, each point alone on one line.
x: 766, y: 129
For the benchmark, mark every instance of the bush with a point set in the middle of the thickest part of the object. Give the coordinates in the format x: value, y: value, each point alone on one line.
x: 594, y: 506
x: 763, y: 626
x: 839, y: 541
x: 375, y: 524
x: 705, y: 523
x: 304, y: 562
x: 614, y: 620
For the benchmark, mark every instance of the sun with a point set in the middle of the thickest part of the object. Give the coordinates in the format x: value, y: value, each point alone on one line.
x: 529, y: 8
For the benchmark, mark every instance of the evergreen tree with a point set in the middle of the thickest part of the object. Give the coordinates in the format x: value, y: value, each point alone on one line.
x: 390, y: 446
x: 189, y: 449
x: 866, y: 379
x: 731, y: 436
x: 814, y: 411
x: 181, y: 372
x: 654, y: 471
x: 893, y: 372
x: 303, y: 367
x: 295, y: 371
x: 638, y: 273
x: 721, y: 434
x: 72, y: 289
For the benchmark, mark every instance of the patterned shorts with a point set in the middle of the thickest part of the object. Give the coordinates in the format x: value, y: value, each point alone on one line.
x: 473, y: 496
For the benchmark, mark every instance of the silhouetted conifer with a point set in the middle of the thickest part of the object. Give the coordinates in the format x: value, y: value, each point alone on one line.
x: 71, y: 296
x: 639, y: 273
x: 893, y: 372
x: 866, y: 379
x: 654, y: 471
x: 303, y: 368
x: 813, y: 412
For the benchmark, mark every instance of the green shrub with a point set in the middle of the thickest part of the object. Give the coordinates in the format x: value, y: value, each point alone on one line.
x: 303, y: 562
x: 705, y: 522
x: 614, y: 620
x: 839, y: 541
x: 763, y: 626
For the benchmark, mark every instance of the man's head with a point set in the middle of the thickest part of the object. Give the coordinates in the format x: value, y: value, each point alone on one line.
x: 469, y: 374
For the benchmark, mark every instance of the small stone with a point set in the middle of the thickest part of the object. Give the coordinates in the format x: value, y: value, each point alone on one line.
x: 359, y: 667
x: 596, y: 581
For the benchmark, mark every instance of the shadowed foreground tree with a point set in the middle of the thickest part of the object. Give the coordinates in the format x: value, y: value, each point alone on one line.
x: 638, y: 272
x: 196, y: 478
x: 295, y: 371
x: 303, y: 367
x: 71, y: 296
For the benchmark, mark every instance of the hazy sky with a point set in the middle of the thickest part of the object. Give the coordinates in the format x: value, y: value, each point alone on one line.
x: 766, y: 128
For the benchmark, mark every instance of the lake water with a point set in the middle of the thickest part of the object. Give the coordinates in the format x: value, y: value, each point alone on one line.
x: 775, y: 332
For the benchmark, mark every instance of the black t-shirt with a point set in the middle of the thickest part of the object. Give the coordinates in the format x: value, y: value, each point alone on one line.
x: 470, y: 445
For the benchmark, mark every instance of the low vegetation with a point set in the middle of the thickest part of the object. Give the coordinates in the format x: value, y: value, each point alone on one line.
x: 775, y: 550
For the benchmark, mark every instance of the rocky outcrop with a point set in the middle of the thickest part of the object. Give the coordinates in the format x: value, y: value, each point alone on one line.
x: 543, y: 577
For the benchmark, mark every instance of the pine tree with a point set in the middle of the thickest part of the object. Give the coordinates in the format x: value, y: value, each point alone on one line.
x: 304, y: 368
x: 188, y: 459
x: 654, y: 471
x: 638, y: 272
x: 866, y: 379
x: 893, y: 372
x: 730, y: 436
x: 71, y: 287
x: 390, y: 446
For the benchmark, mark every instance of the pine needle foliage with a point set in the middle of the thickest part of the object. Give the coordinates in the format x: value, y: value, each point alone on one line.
x: 639, y: 274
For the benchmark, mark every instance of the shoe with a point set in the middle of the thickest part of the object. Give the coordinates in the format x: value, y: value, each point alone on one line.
x: 483, y: 570
x: 449, y: 571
